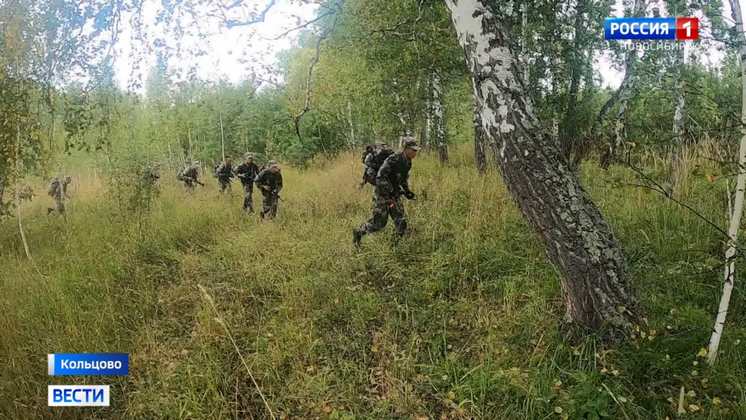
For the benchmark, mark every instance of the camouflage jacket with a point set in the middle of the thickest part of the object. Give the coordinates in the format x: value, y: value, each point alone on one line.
x: 190, y: 174
x: 265, y: 177
x: 393, y: 177
x: 224, y: 171
x: 374, y: 161
x: 247, y: 172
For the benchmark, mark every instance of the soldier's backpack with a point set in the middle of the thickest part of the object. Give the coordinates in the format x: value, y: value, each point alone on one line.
x: 53, y: 187
x: 369, y: 149
x: 379, y: 158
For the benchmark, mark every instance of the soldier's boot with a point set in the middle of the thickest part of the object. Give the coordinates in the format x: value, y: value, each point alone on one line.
x: 357, y: 236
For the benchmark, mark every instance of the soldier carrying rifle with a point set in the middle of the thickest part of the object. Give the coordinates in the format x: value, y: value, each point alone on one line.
x: 247, y: 172
x: 190, y: 176
x: 392, y: 181
x: 269, y: 182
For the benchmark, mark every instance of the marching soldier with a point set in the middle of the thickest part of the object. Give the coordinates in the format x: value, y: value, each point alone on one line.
x: 247, y: 172
x: 269, y: 182
x: 391, y: 184
x: 190, y: 176
x: 224, y: 173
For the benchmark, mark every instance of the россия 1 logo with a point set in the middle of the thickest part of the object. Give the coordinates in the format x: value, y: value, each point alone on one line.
x: 651, y: 28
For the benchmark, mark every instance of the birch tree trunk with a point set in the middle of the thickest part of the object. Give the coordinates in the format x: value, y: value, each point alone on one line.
x: 352, y: 125
x: 480, y: 155
x: 429, y: 123
x: 622, y: 96
x: 735, y: 220
x: 577, y: 239
x: 19, y: 171
x: 437, y: 115
x: 524, y: 41
x: 678, y: 158
x: 569, y: 129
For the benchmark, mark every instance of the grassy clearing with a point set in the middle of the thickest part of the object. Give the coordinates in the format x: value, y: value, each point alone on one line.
x: 459, y: 321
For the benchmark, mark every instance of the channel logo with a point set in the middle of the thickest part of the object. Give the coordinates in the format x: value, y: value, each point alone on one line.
x: 78, y: 396
x: 88, y: 364
x: 651, y: 28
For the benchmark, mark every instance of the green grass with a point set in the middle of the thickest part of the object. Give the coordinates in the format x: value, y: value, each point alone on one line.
x: 460, y: 320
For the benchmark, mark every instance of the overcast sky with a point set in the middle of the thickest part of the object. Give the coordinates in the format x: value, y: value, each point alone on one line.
x: 234, y: 54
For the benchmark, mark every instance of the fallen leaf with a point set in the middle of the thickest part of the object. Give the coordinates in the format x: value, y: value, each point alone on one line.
x: 717, y: 401
x: 328, y: 410
x: 710, y: 177
x: 622, y: 399
x: 615, y: 372
x: 702, y: 352
x: 737, y: 342
x: 691, y: 394
x: 622, y: 309
x: 704, y: 383
x: 693, y: 407
x: 695, y: 373
x: 558, y: 410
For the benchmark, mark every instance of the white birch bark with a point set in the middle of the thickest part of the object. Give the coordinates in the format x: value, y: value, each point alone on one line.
x: 576, y: 238
x: 19, y: 171
x: 352, y: 124
x: 437, y: 116
x: 735, y: 220
x: 678, y: 163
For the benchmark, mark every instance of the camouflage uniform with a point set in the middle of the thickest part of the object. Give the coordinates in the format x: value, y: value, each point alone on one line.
x: 247, y: 172
x: 189, y: 175
x: 392, y: 181
x: 224, y: 173
x: 373, y: 163
x: 271, y: 197
x: 58, y: 192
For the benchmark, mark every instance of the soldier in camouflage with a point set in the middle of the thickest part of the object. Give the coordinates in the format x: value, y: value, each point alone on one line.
x: 190, y: 176
x: 374, y: 161
x: 224, y: 173
x: 58, y: 192
x: 247, y: 172
x: 392, y: 181
x: 269, y: 182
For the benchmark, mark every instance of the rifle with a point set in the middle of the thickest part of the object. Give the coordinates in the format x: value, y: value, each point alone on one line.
x: 193, y: 180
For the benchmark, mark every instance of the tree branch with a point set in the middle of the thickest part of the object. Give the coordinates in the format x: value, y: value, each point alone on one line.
x: 284, y: 34
x: 233, y: 23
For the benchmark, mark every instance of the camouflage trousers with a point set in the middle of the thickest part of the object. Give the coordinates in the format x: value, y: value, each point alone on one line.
x: 383, y: 208
x: 59, y: 207
x: 224, y: 185
x: 189, y: 187
x: 248, y: 199
x: 269, y: 205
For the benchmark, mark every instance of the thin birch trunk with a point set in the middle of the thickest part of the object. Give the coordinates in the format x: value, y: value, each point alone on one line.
x: 18, y: 192
x: 678, y: 157
x: 352, y: 125
x: 438, y: 117
x: 480, y: 154
x: 622, y: 95
x: 735, y: 220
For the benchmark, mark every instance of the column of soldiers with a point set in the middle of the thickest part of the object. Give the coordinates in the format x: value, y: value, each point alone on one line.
x: 386, y: 170
x: 267, y: 180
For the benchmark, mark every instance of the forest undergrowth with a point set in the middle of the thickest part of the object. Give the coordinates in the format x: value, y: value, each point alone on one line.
x: 461, y: 319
